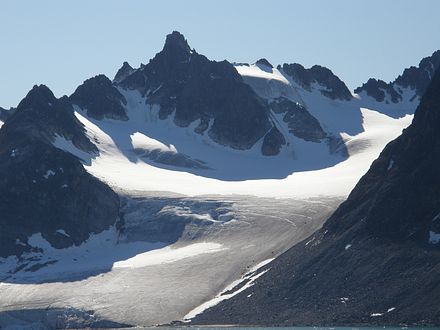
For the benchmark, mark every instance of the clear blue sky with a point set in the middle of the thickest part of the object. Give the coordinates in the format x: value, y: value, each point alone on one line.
x: 62, y: 43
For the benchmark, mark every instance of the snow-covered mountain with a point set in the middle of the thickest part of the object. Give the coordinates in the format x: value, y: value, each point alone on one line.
x: 179, y: 116
x: 408, y: 87
x: 375, y: 260
x: 173, y: 166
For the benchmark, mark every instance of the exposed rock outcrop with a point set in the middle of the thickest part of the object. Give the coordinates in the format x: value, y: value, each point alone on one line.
x: 44, y: 189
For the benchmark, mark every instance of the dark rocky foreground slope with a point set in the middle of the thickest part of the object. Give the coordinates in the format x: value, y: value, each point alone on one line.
x: 377, y: 258
x: 44, y: 189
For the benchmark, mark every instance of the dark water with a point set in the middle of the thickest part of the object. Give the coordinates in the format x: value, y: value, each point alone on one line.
x: 293, y: 328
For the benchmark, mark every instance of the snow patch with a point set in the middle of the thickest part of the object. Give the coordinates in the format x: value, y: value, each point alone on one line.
x: 62, y: 143
x: 344, y: 300
x: 18, y: 242
x: 381, y: 314
x: 143, y: 142
x: 168, y: 255
x: 390, y: 165
x: 62, y: 232
x: 250, y: 277
x: 434, y: 238
x: 90, y: 257
x: 184, y: 212
x: 48, y: 174
x: 376, y: 314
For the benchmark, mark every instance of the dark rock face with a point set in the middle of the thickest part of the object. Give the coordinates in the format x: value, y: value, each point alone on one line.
x: 300, y: 122
x: 378, y: 88
x: 100, y: 98
x: 374, y: 261
x: 335, y: 87
x: 416, y: 78
x: 180, y: 80
x: 5, y: 114
x: 123, y: 72
x: 263, y: 61
x: 170, y: 158
x: 44, y: 189
x: 419, y: 77
x: 40, y: 116
x: 272, y: 142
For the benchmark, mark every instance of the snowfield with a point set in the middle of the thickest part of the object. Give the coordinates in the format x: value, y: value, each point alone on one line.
x: 303, y: 169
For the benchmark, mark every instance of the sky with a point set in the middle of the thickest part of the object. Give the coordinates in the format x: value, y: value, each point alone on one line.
x: 62, y: 43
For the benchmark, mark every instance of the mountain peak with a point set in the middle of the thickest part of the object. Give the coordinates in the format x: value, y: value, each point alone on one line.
x: 100, y: 98
x: 176, y: 42
x: 38, y: 95
x: 123, y: 72
x: 41, y: 90
x: 263, y: 61
x: 419, y: 77
x: 335, y: 87
x: 415, y: 78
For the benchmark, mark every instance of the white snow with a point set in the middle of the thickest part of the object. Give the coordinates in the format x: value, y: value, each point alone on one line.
x: 268, y: 83
x: 17, y: 241
x: 310, y: 172
x: 88, y: 257
x: 381, y: 314
x: 48, y: 174
x: 255, y: 70
x: 250, y: 276
x: 93, y: 255
x: 143, y: 142
x: 390, y: 165
x: 168, y: 254
x: 186, y: 212
x: 62, y: 143
x: 344, y: 300
x: 347, y: 246
x: 62, y: 232
x: 434, y: 237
